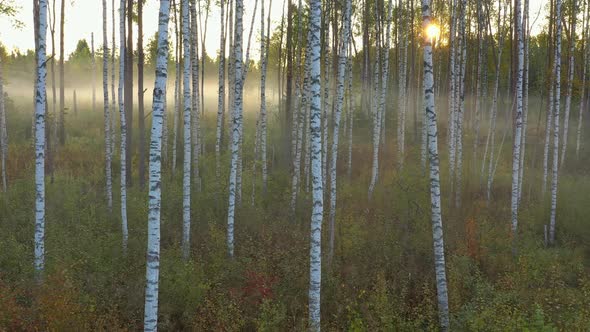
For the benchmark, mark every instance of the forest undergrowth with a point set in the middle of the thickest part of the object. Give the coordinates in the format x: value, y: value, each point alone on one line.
x: 381, y: 277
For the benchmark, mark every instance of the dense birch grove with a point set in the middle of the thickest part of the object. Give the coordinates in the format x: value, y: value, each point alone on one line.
x: 346, y: 165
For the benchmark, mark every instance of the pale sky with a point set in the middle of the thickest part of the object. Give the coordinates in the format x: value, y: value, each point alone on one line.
x: 85, y: 16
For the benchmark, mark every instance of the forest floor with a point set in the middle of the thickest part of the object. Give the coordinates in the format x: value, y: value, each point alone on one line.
x: 381, y: 277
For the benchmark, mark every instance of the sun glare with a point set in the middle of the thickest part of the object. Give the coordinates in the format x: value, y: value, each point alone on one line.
x: 432, y: 31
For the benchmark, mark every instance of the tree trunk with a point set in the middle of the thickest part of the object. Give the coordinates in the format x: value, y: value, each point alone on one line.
x: 129, y: 90
x: 570, y: 83
x: 342, y: 68
x: 93, y: 74
x: 3, y: 132
x: 62, y: 107
x: 556, y: 123
x: 140, y: 92
x: 155, y: 174
x: 584, y: 75
x: 40, y: 109
x: 435, y: 204
x: 221, y: 94
x: 186, y: 178
x: 315, y: 254
x: 236, y: 125
x: 107, y: 115
x: 196, y: 103
x: 518, y: 130
x: 123, y: 124
x: 264, y: 40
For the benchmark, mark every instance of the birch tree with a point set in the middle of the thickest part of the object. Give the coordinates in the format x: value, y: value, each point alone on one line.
x: 3, y: 132
x: 220, y: 93
x: 342, y: 68
x: 315, y: 255
x: 107, y: 116
x: 195, y: 125
x: 435, y: 201
x: 586, y: 61
x: 155, y: 173
x: 556, y: 123
x: 62, y: 95
x: 263, y: 68
x: 570, y: 82
x: 123, y: 124
x: 93, y: 69
x: 236, y: 125
x: 490, y: 141
x: 186, y: 178
x: 518, y: 129
x: 40, y: 105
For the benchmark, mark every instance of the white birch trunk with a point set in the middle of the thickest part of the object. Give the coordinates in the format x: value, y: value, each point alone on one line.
x: 461, y: 108
x: 155, y: 174
x: 113, y: 71
x: 236, y: 126
x: 518, y: 130
x: 548, y: 130
x: 525, y: 83
x: 221, y: 93
x: 40, y: 105
x: 351, y: 106
x: 93, y: 72
x: 584, y: 75
x: 186, y: 176
x: 315, y: 253
x: 123, y: 125
x: 437, y: 228
x: 376, y: 130
x: 556, y: 124
x: 570, y: 84
x: 177, y: 88
x: 490, y: 142
x: 342, y: 61
x: 3, y: 132
x: 195, y: 101
x: 107, y: 115
x: 263, y: 69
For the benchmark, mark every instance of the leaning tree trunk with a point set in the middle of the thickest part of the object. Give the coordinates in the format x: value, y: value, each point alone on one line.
x: 40, y: 105
x: 155, y: 174
x: 186, y: 178
x: 315, y: 254
x: 556, y: 123
x: 435, y: 204
x: 123, y: 125
x: 236, y: 125
x: 107, y: 115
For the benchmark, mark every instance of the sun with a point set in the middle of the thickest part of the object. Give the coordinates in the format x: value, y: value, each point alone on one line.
x: 432, y: 31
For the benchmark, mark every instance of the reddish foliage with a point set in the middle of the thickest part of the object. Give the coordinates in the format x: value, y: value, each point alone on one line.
x: 257, y: 288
